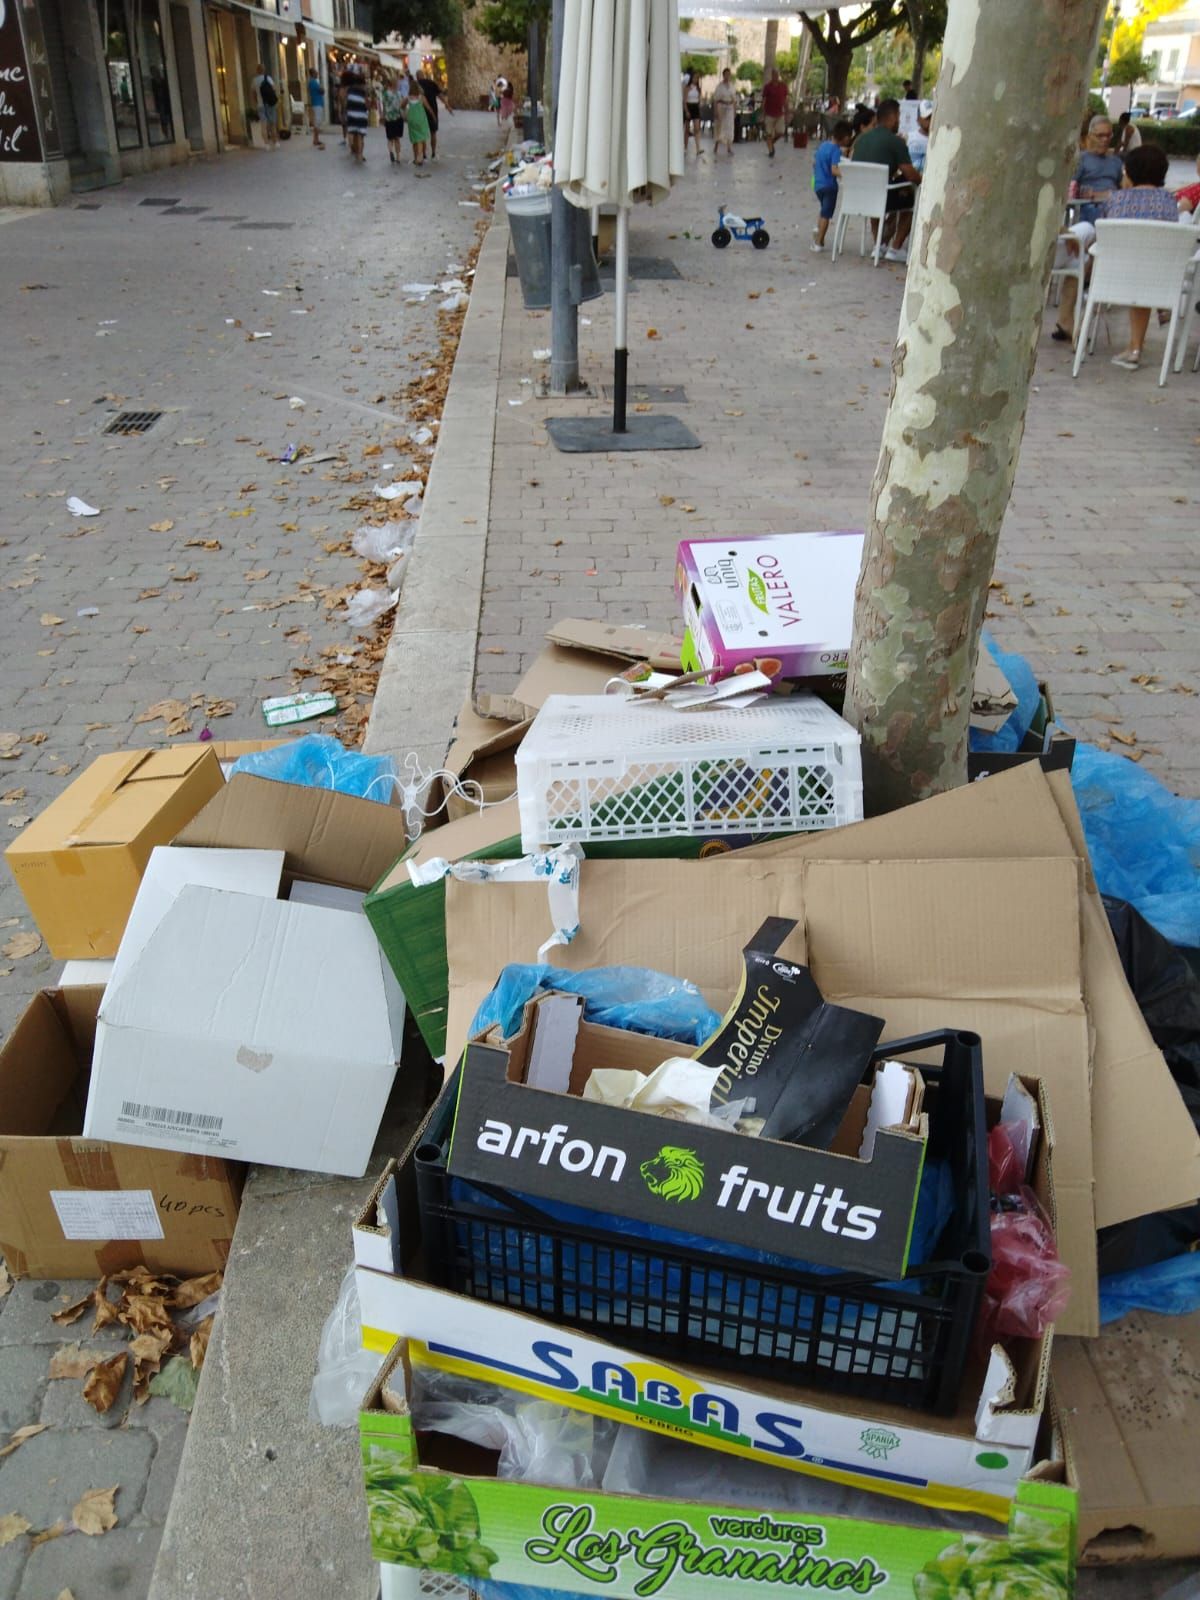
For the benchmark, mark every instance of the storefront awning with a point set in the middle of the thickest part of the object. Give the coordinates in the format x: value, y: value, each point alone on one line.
x: 314, y: 30
x: 260, y: 18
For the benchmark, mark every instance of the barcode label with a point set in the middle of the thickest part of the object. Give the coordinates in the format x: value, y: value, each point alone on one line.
x: 136, y: 1112
x: 107, y: 1213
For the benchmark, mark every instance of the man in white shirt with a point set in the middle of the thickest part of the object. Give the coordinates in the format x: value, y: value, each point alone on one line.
x: 918, y: 141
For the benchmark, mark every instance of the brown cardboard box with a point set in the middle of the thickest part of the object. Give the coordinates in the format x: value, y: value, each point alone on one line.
x: 79, y: 863
x: 1129, y: 1408
x: 974, y: 909
x: 325, y: 837
x: 63, y: 1197
x: 482, y: 752
x: 580, y: 658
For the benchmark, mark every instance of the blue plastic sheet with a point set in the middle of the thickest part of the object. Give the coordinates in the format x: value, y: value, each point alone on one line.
x: 1144, y: 841
x: 635, y: 998
x: 1171, y: 1287
x: 1029, y: 697
x: 487, y: 1590
x: 318, y: 761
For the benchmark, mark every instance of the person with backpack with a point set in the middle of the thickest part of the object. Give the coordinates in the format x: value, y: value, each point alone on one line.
x: 267, y: 97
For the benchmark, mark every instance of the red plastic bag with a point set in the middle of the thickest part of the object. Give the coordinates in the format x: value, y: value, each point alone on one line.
x: 1028, y: 1286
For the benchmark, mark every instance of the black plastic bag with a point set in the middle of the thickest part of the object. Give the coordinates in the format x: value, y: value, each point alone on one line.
x: 1167, y: 991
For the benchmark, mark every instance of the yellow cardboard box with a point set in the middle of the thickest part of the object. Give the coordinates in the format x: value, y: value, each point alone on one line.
x: 80, y: 862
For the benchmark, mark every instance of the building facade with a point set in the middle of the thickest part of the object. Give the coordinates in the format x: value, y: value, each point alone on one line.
x: 1172, y: 45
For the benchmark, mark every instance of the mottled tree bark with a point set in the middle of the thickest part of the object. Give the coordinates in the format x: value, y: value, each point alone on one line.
x: 1013, y: 79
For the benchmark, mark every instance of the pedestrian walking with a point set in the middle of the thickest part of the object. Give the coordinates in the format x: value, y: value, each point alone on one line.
x: 354, y: 114
x: 433, y: 92
x: 507, y: 112
x: 498, y: 87
x: 267, y: 99
x: 724, y: 106
x: 316, y: 105
x: 691, y: 108
x: 393, y: 117
x: 774, y: 104
x: 416, y: 111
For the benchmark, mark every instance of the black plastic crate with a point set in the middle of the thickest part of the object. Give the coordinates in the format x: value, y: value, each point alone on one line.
x: 688, y: 1300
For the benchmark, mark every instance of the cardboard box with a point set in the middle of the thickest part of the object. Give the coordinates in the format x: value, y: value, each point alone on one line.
x: 254, y: 1026
x: 580, y: 658
x: 482, y: 753
x: 74, y: 1207
x: 968, y: 910
x: 79, y: 863
x: 972, y: 1460
x: 512, y: 1130
x: 785, y: 595
x: 435, y: 1502
x: 1129, y: 1406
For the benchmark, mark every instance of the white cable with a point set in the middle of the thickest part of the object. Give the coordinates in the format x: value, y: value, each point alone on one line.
x: 420, y: 779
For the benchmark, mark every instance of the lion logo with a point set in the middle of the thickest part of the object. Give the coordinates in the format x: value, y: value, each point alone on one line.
x: 674, y: 1174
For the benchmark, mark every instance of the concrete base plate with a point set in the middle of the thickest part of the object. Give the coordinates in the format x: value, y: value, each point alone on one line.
x: 588, y: 435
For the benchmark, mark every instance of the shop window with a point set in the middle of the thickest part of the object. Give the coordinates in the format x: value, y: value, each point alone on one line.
x: 118, y: 56
x: 152, y: 59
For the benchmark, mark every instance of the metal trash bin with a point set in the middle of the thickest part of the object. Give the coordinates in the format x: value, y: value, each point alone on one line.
x: 529, y: 225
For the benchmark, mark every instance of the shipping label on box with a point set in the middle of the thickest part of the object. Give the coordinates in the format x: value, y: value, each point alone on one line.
x: 434, y: 1502
x: 826, y: 1206
x: 789, y: 596
x: 73, y: 1207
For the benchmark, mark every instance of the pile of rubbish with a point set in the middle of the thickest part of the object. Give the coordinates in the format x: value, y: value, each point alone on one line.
x: 788, y: 1169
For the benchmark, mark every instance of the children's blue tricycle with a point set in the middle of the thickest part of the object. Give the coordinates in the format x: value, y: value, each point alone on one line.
x: 730, y: 227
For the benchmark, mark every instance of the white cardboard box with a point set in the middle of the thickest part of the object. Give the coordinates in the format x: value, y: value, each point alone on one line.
x: 246, y: 1026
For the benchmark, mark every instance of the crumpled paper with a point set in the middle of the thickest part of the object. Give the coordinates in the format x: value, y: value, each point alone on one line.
x: 679, y: 1088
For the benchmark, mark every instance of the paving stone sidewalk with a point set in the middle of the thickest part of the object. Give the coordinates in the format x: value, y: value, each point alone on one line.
x: 144, y: 295
x: 785, y: 360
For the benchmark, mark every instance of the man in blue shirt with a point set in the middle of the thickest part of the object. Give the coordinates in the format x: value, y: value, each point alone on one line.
x: 1100, y: 169
x: 825, y: 177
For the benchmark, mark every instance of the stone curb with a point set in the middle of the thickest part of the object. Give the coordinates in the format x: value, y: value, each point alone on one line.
x: 429, y: 669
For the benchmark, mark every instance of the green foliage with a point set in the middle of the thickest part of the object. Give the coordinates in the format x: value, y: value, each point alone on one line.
x: 750, y: 72
x: 1129, y: 68
x: 439, y: 19
x: 705, y: 66
x: 1180, y: 137
x: 788, y: 62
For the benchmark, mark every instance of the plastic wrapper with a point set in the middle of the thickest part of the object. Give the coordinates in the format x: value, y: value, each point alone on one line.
x: 366, y: 606
x: 1171, y: 1288
x: 318, y: 761
x: 382, y: 544
x: 345, y: 1371
x: 1008, y: 1157
x: 635, y: 998
x: 1028, y: 1286
x: 678, y: 1088
x: 1144, y: 841
x: 538, y: 1441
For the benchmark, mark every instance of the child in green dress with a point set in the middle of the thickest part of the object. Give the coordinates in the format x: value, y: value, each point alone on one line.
x: 416, y: 114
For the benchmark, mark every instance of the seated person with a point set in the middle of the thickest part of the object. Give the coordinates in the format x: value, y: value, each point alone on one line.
x: 918, y: 143
x: 1143, y: 199
x: 1188, y: 198
x: 1099, y: 170
x: 883, y: 144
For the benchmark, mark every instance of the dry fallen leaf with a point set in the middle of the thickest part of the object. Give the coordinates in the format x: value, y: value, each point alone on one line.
x: 220, y: 708
x: 643, y: 408
x: 666, y: 499
x: 104, y: 1382
x: 95, y: 1513
x: 198, y: 1344
x: 65, y: 1594
x: 1125, y: 738
x: 21, y: 945
x: 164, y: 709
x: 652, y: 333
x: 184, y: 577
x: 49, y: 620
x: 257, y: 575
x: 177, y: 726
x: 12, y: 1527
x: 202, y: 544
x: 161, y: 527
x: 192, y: 1290
x: 45, y: 1535
x: 70, y: 1313
x: 72, y: 1362
x: 18, y: 1439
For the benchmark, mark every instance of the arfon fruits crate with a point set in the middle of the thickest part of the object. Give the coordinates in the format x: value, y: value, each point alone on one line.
x: 605, y: 767
x: 684, y: 1297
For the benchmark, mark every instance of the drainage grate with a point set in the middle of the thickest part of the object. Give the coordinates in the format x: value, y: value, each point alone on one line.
x: 133, y: 422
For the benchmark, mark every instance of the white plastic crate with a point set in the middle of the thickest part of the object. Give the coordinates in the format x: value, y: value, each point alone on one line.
x: 605, y: 767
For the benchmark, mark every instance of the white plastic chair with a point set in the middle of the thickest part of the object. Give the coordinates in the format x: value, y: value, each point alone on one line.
x: 862, y: 192
x: 1075, y: 268
x: 1137, y: 264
